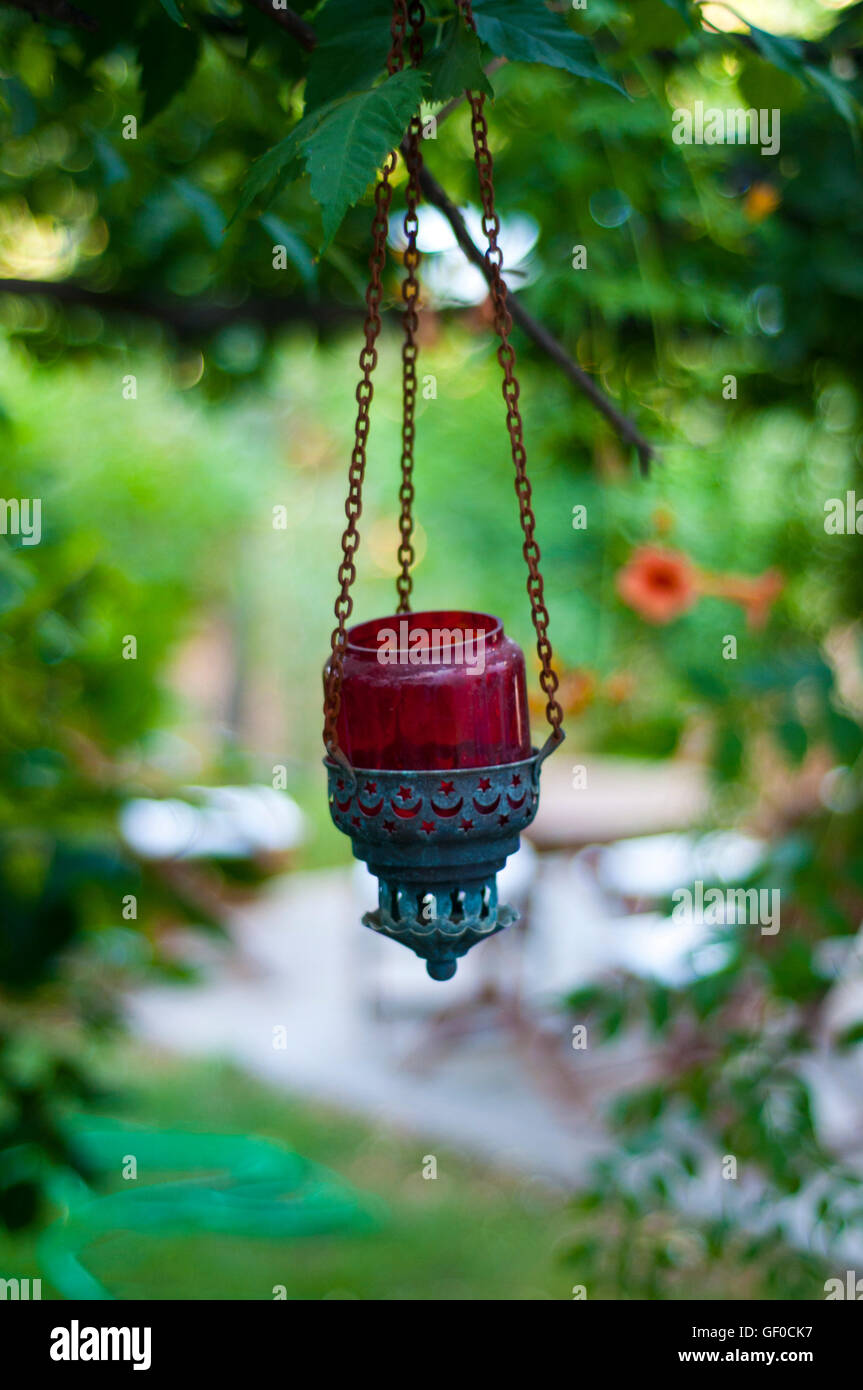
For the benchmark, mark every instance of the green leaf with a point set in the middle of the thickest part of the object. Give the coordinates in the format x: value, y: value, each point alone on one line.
x: 789, y: 55
x: 353, y: 43
x: 761, y: 85
x: 840, y: 97
x: 170, y: 8
x: 281, y: 162
x: 351, y: 141
x: 456, y: 65
x: 525, y: 31
x: 167, y: 60
x: 343, y: 144
x: 786, y: 54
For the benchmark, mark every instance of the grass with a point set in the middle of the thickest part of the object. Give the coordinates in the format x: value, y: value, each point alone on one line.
x: 469, y: 1234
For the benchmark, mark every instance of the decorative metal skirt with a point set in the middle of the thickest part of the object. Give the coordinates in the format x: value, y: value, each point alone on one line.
x: 435, y: 841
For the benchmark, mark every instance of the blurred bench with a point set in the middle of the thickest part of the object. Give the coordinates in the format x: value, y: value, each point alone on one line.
x: 622, y: 798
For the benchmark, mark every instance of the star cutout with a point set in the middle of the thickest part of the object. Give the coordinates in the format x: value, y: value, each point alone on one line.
x: 405, y: 793
x: 466, y: 824
x: 503, y: 820
x: 371, y: 787
x: 428, y: 826
x: 389, y: 826
x: 355, y: 820
x: 484, y: 784
x: 446, y: 788
x: 341, y: 784
x: 516, y: 780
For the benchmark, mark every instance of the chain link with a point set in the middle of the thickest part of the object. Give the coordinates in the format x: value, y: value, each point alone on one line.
x: 368, y: 361
x: 410, y: 320
x: 506, y: 356
x: 411, y: 12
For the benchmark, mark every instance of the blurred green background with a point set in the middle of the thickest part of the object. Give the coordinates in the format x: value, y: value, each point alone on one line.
x: 159, y: 520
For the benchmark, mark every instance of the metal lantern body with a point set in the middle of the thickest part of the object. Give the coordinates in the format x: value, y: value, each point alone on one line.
x: 439, y: 778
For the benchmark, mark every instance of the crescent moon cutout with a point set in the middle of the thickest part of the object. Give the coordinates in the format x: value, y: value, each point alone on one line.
x: 406, y: 812
x: 447, y: 810
x: 515, y: 804
x: 343, y: 805
x: 371, y: 810
x: 485, y: 809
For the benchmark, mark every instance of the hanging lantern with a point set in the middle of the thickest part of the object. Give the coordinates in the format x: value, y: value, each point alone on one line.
x: 429, y: 762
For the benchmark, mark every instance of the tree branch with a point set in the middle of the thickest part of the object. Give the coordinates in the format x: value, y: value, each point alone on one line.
x: 456, y: 102
x: 435, y: 194
x: 536, y: 331
x: 291, y: 22
x: 195, y: 316
x: 58, y: 10
x: 188, y: 316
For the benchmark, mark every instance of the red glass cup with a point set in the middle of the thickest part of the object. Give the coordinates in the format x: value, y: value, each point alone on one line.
x: 433, y: 690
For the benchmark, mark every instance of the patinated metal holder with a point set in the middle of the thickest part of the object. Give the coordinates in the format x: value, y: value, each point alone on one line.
x: 436, y: 841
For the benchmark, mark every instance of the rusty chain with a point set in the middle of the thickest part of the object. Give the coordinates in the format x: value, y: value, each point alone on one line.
x: 410, y: 295
x: 368, y: 361
x: 506, y: 356
x: 405, y: 12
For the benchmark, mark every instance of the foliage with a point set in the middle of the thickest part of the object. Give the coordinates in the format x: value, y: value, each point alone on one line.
x: 705, y: 262
x: 472, y: 1234
x: 733, y: 1079
x: 692, y: 248
x: 79, y: 733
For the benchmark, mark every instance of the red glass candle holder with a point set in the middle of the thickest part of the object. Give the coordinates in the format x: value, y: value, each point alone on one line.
x: 433, y: 690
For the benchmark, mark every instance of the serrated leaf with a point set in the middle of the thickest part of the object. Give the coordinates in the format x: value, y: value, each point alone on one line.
x: 343, y: 144
x: 351, y: 141
x: 278, y: 163
x: 456, y: 65
x: 526, y: 32
x: 351, y: 51
x: 167, y: 60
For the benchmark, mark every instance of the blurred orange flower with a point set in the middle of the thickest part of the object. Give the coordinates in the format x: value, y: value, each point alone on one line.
x: 761, y: 200
x: 659, y: 584
x: 619, y: 687
x: 754, y: 593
